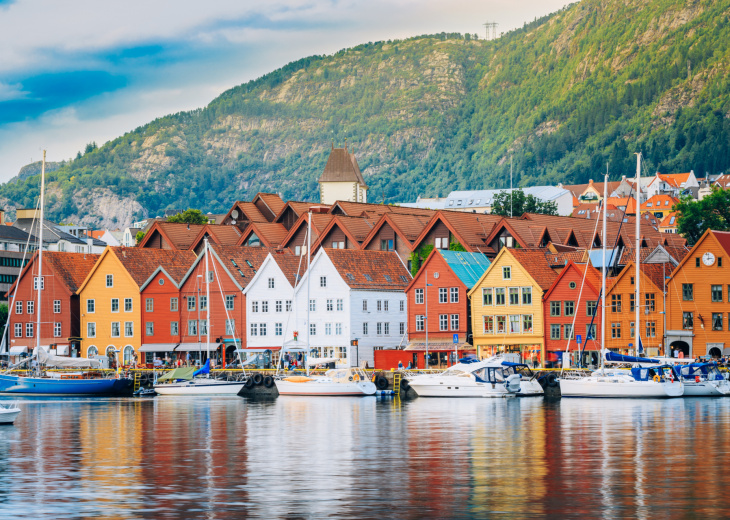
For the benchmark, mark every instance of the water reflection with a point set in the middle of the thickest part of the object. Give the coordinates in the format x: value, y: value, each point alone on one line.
x: 214, y: 458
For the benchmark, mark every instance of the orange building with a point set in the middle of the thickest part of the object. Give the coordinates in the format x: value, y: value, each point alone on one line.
x: 698, y: 299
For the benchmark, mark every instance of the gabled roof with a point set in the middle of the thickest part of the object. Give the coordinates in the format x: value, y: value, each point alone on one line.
x: 319, y: 222
x: 290, y: 265
x: 579, y: 189
x: 408, y: 227
x: 356, y: 229
x: 225, y: 235
x: 69, y: 268
x: 245, y: 211
x: 535, y: 262
x: 623, y: 202
x: 271, y: 234
x: 670, y: 220
x: 470, y: 229
x: 659, y: 202
x: 526, y: 232
x: 178, y: 236
x: 653, y: 272
x: 239, y: 263
x: 592, y: 277
x: 368, y: 209
x: 369, y: 270
x: 342, y: 167
x: 299, y: 208
x: 271, y: 201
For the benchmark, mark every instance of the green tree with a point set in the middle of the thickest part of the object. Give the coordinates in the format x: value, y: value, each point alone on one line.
x: 189, y: 216
x: 696, y: 217
x: 518, y: 203
x: 139, y: 236
x: 3, y: 316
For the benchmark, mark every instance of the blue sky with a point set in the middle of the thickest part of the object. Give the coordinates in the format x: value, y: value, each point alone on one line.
x: 78, y: 71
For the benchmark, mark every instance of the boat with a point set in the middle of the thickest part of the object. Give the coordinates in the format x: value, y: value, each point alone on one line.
x: 702, y: 380
x: 639, y: 381
x: 338, y: 381
x: 8, y: 413
x: 185, y: 381
x: 493, y: 377
x: 145, y: 392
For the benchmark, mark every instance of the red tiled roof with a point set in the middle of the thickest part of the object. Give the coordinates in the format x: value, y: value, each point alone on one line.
x: 271, y: 234
x: 656, y: 272
x: 667, y: 220
x: 140, y: 263
x: 178, y: 236
x: 272, y: 200
x: 290, y: 265
x: 242, y: 262
x: 367, y: 270
x: 358, y: 209
x: 319, y: 222
x: 659, y: 202
x: 535, y: 262
x: 723, y: 237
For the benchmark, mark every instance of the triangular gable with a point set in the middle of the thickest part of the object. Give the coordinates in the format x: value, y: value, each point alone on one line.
x: 152, y: 277
x: 572, y: 265
x: 696, y: 246
x: 501, y: 226
x: 340, y: 225
x: 24, y: 271
x: 107, y: 251
x: 155, y: 229
x: 629, y: 268
x: 385, y: 219
x: 439, y: 217
x: 486, y: 273
x: 313, y: 263
x: 222, y: 264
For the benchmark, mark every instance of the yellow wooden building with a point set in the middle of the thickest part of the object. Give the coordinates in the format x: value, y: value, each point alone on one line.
x: 111, y: 313
x: 506, y: 305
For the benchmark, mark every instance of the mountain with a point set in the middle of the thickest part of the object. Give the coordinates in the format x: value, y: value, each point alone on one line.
x: 564, y: 95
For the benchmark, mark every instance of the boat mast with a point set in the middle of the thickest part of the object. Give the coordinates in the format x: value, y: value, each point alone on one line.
x: 309, y: 279
x: 603, y: 277
x: 207, y: 302
x: 40, y: 252
x: 637, y: 329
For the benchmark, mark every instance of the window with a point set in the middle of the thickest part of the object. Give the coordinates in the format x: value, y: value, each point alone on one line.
x: 288, y: 305
x: 687, y: 292
x: 30, y: 307
x: 192, y: 303
x: 203, y: 327
x: 402, y: 328
x: 18, y: 307
x: 386, y: 245
x: 527, y: 296
x: 717, y: 293
x: 386, y: 328
x: 35, y: 283
x: 554, y: 331
x: 312, y: 329
x: 454, y: 295
x: 211, y: 274
x: 90, y: 306
x: 501, y: 324
x: 338, y: 329
x: 230, y: 300
x: 18, y: 330
x: 174, y: 328
x: 173, y: 304
x: 506, y: 273
x: 57, y: 329
x: 278, y: 305
x: 443, y: 295
x: 379, y: 329
x: 365, y: 328
x: 271, y: 283
x: 514, y: 324
x: 616, y: 303
x: 385, y: 305
x: 590, y: 331
x: 254, y: 329
x: 697, y: 261
x: 487, y: 296
x: 231, y: 328
x: 110, y: 280
x: 650, y: 301
x: 192, y: 327
x: 555, y: 308
x: 716, y: 321
x: 254, y: 306
x: 128, y: 304
x: 379, y: 305
x: 323, y: 281
x: 651, y: 329
x: 278, y: 329
x: 330, y: 305
x: 128, y: 329
x: 632, y: 333
x: 418, y: 296
x: 616, y: 330
x: 91, y: 330
x: 312, y: 306
x: 719, y: 261
x: 499, y: 296
x: 567, y: 331
x: 569, y: 308
x: 443, y: 322
x: 687, y: 320
x: 488, y: 324
x: 149, y: 328
x: 203, y: 303
x: 420, y: 320
x: 591, y: 308
x: 341, y: 304
x: 116, y: 329
x: 527, y: 323
x: 265, y: 306
x: 149, y: 304
x: 454, y: 322
x: 514, y: 296
x: 327, y: 329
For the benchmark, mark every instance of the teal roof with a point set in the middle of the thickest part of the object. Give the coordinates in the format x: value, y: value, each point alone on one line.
x: 469, y: 267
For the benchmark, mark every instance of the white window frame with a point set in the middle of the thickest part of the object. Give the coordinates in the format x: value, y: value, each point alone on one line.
x: 118, y: 332
x: 110, y: 280
x: 128, y: 329
x: 418, y: 296
x: 91, y: 329
x: 56, y: 306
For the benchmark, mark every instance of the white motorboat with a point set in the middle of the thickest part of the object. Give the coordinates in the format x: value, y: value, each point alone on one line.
x: 702, y: 380
x: 492, y: 377
x: 338, y: 381
x: 183, y: 381
x: 638, y: 382
x: 8, y: 413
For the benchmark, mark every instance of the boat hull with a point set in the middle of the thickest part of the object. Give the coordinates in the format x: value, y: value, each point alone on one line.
x: 706, y: 388
x: 603, y: 387
x: 7, y: 416
x: 10, y: 384
x: 530, y: 388
x: 437, y: 386
x: 325, y: 388
x: 200, y: 387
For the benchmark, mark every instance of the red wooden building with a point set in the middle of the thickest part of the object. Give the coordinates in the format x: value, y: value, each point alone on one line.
x: 441, y: 285
x: 62, y: 274
x: 565, y: 306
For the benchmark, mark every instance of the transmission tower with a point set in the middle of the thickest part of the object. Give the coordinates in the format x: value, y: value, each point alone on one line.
x: 493, y: 27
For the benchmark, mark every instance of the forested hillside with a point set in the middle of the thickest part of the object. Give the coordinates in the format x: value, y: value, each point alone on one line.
x: 565, y: 95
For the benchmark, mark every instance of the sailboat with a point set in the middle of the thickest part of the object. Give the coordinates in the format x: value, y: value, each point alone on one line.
x: 641, y: 380
x: 45, y: 383
x: 188, y: 380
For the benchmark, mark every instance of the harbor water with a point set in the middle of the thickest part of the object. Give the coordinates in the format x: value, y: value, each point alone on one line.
x: 291, y: 457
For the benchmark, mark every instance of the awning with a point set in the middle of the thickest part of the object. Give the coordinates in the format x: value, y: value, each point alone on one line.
x: 158, y: 347
x: 195, y: 347
x: 16, y: 351
x: 438, y: 345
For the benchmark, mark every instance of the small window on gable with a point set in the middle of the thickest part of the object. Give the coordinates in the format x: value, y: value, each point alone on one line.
x: 506, y: 273
x: 368, y: 277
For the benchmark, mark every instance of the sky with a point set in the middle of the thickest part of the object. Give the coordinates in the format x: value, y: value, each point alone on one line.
x: 78, y: 71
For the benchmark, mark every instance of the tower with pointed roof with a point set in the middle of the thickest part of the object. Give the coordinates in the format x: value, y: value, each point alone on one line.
x: 342, y: 179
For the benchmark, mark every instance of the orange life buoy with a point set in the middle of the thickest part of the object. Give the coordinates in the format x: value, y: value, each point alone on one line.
x: 356, y: 377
